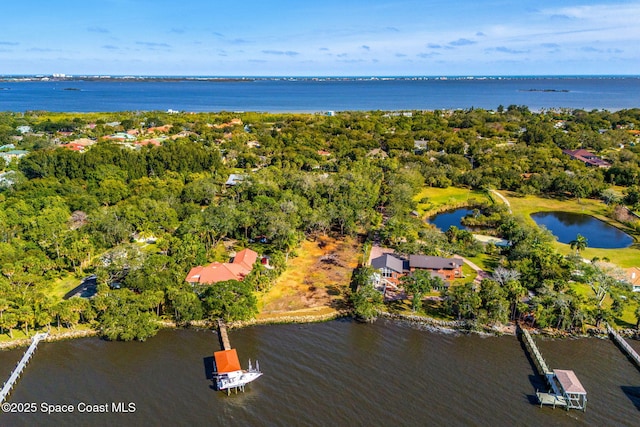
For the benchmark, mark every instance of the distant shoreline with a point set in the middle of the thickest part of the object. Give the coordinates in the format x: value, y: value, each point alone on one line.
x: 227, y: 79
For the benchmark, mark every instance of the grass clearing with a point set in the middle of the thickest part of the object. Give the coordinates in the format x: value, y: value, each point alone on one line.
x: 315, y: 281
x: 63, y: 285
x: 431, y: 199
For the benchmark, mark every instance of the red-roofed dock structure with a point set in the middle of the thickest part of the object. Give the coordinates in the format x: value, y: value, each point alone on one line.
x: 228, y: 374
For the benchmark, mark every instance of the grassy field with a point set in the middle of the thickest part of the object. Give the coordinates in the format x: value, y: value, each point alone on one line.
x: 315, y: 281
x: 62, y: 286
x: 625, y: 257
x: 431, y: 199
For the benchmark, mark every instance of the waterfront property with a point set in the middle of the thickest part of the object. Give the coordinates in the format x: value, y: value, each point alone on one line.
x: 391, y: 267
x: 633, y: 277
x: 215, y: 272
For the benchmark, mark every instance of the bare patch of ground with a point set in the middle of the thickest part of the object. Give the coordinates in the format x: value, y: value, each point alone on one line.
x: 317, y: 277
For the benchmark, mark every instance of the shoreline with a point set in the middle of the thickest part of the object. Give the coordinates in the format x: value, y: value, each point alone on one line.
x: 427, y: 323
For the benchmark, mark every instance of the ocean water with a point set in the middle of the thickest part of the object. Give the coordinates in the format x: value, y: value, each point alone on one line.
x: 308, y: 95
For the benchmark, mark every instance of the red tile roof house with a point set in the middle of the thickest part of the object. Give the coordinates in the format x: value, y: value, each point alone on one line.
x: 215, y: 272
x: 587, y: 157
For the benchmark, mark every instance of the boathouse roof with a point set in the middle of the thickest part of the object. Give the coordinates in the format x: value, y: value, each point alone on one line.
x: 227, y: 361
x: 569, y: 382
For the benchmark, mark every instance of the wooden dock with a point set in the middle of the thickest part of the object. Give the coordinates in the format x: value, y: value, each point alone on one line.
x: 15, y: 375
x: 551, y: 399
x: 624, y: 345
x: 222, y: 334
x: 541, y: 365
x: 564, y: 390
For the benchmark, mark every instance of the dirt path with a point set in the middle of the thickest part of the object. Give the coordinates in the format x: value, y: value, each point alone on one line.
x: 504, y: 199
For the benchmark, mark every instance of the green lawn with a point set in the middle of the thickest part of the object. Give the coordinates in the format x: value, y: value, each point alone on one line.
x: 64, y: 285
x: 431, y: 199
x: 487, y: 262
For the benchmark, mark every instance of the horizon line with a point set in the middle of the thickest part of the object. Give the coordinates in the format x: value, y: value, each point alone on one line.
x: 337, y: 76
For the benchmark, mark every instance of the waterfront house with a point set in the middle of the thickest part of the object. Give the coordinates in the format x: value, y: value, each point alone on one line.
x: 449, y: 268
x: 237, y: 269
x: 391, y: 267
x: 587, y: 157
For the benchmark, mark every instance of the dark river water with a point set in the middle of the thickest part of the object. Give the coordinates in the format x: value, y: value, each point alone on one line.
x: 339, y: 373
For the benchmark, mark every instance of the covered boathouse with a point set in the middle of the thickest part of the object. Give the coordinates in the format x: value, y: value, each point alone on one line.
x: 229, y: 375
x: 570, y: 388
x: 566, y: 391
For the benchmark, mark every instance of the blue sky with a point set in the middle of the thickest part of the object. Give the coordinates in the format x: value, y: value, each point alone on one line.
x: 320, y: 38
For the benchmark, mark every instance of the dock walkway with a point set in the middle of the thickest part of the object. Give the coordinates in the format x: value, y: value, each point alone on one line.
x: 15, y: 375
x: 224, y: 337
x: 624, y: 345
x: 533, y: 349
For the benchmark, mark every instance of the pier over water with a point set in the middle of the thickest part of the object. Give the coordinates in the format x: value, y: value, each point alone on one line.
x: 15, y: 375
x: 565, y: 389
x: 224, y: 337
x: 624, y: 346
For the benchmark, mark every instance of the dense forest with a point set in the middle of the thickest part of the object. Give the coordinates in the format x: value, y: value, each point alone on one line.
x: 140, y: 211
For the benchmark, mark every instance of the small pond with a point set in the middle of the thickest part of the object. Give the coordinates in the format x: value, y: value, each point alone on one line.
x: 567, y: 225
x: 445, y: 220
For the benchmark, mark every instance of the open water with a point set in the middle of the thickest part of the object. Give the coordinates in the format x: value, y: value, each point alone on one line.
x: 339, y: 373
x: 307, y: 95
x: 567, y: 225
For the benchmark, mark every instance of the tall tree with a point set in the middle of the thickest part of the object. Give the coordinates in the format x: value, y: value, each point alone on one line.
x: 417, y: 284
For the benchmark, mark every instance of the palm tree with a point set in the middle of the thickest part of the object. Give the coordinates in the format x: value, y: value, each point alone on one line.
x: 579, y: 243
